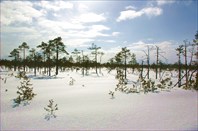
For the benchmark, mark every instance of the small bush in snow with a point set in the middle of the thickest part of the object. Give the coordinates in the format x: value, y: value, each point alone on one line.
x: 148, y: 85
x: 71, y: 82
x: 195, y: 84
x: 112, y: 94
x: 21, y: 75
x: 5, y: 79
x: 165, y: 83
x: 51, y: 108
x: 191, y: 84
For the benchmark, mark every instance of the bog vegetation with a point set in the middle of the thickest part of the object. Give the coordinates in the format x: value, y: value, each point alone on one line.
x: 47, y: 57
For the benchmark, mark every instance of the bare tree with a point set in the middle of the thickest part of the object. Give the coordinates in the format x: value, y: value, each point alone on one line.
x: 157, y: 62
x: 185, y: 61
x: 148, y: 60
x: 159, y: 56
x: 180, y: 51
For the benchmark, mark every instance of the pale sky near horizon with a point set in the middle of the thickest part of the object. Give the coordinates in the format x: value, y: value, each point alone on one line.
x: 109, y: 24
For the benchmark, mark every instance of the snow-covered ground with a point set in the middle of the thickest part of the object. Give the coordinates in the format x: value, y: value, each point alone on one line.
x: 87, y: 105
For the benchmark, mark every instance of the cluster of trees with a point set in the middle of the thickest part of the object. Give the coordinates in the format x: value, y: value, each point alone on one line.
x: 47, y: 56
x: 183, y: 51
x: 35, y: 59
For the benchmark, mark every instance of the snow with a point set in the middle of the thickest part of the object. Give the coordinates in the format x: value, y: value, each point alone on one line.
x: 86, y: 105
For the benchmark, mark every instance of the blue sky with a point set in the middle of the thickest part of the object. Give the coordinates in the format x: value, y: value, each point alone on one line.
x: 109, y: 24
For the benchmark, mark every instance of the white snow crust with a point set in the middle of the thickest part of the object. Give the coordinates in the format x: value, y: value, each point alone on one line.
x: 86, y: 105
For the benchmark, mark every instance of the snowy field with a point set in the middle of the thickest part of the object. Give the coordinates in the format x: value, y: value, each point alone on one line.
x: 86, y: 105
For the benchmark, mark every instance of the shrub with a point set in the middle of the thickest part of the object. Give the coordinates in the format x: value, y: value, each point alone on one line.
x: 165, y: 83
x: 71, y: 82
x: 21, y: 75
x: 148, y: 85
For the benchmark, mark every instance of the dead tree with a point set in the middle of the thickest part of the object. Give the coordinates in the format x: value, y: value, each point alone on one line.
x: 148, y: 60
x: 158, y: 61
x: 185, y: 61
x: 180, y: 51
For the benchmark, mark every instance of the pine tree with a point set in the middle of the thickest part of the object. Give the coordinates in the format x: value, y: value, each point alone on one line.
x: 133, y: 61
x: 43, y: 47
x: 15, y: 53
x: 94, y: 48
x: 33, y: 57
x: 23, y: 47
x: 76, y: 53
x: 49, y: 52
x: 123, y: 54
x: 58, y: 47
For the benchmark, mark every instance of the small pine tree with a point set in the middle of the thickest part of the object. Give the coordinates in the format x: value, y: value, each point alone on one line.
x: 51, y: 108
x: 165, y: 83
x: 121, y: 81
x: 25, y: 92
x: 148, y: 85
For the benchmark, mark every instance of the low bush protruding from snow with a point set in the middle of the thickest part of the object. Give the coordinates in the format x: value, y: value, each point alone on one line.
x: 71, y: 82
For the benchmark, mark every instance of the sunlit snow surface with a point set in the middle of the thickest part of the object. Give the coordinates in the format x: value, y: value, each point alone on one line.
x: 87, y: 105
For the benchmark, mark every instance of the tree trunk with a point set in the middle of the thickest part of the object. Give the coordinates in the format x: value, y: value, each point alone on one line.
x: 186, y: 64
x: 57, y: 62
x: 96, y: 62
x: 125, y: 68
x: 156, y: 68
x: 15, y: 62
x: 44, y: 64
x: 34, y: 66
x: 24, y: 59
x: 179, y: 75
x: 83, y: 68
x: 49, y: 66
x: 196, y: 84
x: 49, y: 70
x: 141, y: 74
x: 148, y: 63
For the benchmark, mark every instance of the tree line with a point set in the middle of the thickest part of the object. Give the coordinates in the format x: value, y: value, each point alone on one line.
x: 48, y: 53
